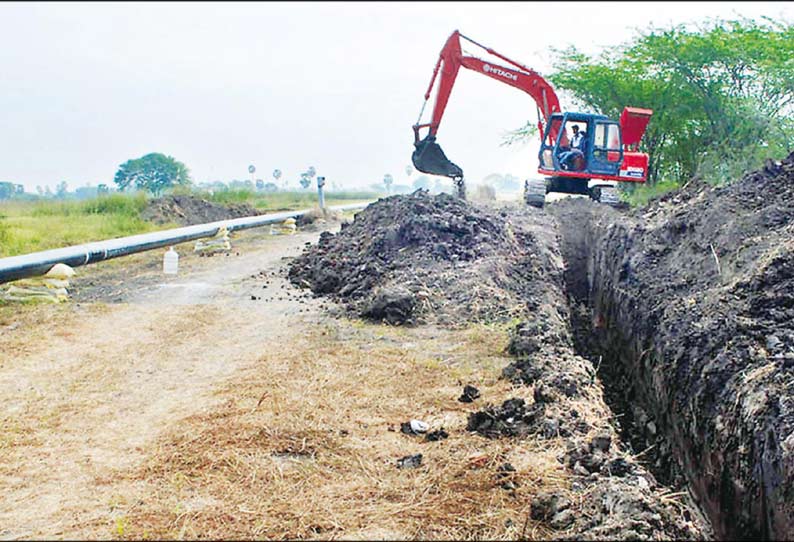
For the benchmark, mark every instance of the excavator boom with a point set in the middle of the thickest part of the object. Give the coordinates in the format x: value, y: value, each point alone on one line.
x: 428, y: 156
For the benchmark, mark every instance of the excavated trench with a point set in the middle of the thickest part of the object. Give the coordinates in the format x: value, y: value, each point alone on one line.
x: 600, y: 342
x: 686, y: 307
x: 580, y: 226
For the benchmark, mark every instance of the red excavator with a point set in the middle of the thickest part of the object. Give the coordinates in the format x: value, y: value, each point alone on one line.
x: 591, y: 162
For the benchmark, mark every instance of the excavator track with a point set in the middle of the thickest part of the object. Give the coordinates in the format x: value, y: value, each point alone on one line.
x: 535, y: 192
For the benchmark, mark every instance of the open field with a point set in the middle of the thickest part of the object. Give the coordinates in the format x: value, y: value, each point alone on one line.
x: 31, y: 226
x: 285, y: 201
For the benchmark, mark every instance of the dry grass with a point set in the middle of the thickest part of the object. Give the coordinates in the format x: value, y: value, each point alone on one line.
x: 306, y: 444
x: 26, y: 328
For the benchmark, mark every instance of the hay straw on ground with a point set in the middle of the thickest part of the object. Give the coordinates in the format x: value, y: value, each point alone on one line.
x: 306, y: 446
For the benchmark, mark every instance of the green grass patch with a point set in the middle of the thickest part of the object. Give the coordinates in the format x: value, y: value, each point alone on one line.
x: 113, y: 204
x: 32, y: 226
x: 644, y: 193
x: 42, y: 225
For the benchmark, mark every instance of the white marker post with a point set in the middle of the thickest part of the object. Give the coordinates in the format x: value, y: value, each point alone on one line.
x: 320, y: 194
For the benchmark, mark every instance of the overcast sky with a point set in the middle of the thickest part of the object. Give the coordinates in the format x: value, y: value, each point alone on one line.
x: 87, y: 86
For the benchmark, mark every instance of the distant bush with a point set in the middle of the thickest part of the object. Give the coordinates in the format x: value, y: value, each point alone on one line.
x: 130, y: 205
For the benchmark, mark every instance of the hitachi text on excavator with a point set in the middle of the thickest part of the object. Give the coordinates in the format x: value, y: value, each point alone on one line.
x: 600, y: 153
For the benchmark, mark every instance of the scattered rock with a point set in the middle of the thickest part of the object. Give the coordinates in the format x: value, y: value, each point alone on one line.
x: 506, y: 472
x: 470, y: 393
x: 617, y: 467
x: 511, y: 419
x: 562, y: 520
x: 436, y: 435
x: 601, y: 442
x: 409, y: 461
x: 773, y: 343
x: 544, y: 393
x: 546, y: 505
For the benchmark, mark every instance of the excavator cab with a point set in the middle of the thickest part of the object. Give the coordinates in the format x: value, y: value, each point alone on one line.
x: 607, y: 154
x: 599, y: 153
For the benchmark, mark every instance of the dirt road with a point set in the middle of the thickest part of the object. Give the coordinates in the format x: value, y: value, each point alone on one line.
x: 86, y: 390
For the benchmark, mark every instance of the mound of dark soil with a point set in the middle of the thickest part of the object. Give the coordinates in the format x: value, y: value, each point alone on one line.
x: 410, y: 258
x: 693, y: 311
x: 190, y: 210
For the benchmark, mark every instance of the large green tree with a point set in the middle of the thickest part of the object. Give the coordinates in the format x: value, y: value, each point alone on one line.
x: 154, y: 173
x: 722, y: 93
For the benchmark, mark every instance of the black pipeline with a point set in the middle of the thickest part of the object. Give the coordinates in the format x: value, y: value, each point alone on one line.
x: 38, y: 263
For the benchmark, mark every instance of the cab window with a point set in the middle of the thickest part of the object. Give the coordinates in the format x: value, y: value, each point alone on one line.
x: 606, y: 142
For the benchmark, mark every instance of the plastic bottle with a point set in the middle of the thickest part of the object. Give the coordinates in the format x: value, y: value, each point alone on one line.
x: 170, y: 262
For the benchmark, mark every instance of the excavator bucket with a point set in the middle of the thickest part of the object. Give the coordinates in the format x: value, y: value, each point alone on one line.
x: 429, y: 158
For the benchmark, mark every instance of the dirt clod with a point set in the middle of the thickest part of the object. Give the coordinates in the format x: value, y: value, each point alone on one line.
x: 601, y: 442
x: 409, y: 461
x: 434, y: 436
x: 506, y: 473
x: 470, y: 393
x: 394, y: 305
x: 562, y: 520
x: 512, y: 419
x: 547, y: 504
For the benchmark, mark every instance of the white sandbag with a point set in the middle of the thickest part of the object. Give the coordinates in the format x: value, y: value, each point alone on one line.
x: 60, y: 271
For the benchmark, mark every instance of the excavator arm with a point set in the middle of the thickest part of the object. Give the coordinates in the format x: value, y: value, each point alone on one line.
x: 428, y: 156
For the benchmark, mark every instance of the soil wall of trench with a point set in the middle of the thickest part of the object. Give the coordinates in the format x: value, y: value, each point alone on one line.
x: 687, y: 306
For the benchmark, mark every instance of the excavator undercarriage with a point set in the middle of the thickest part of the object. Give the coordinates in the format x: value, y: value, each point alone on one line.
x: 535, y: 190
